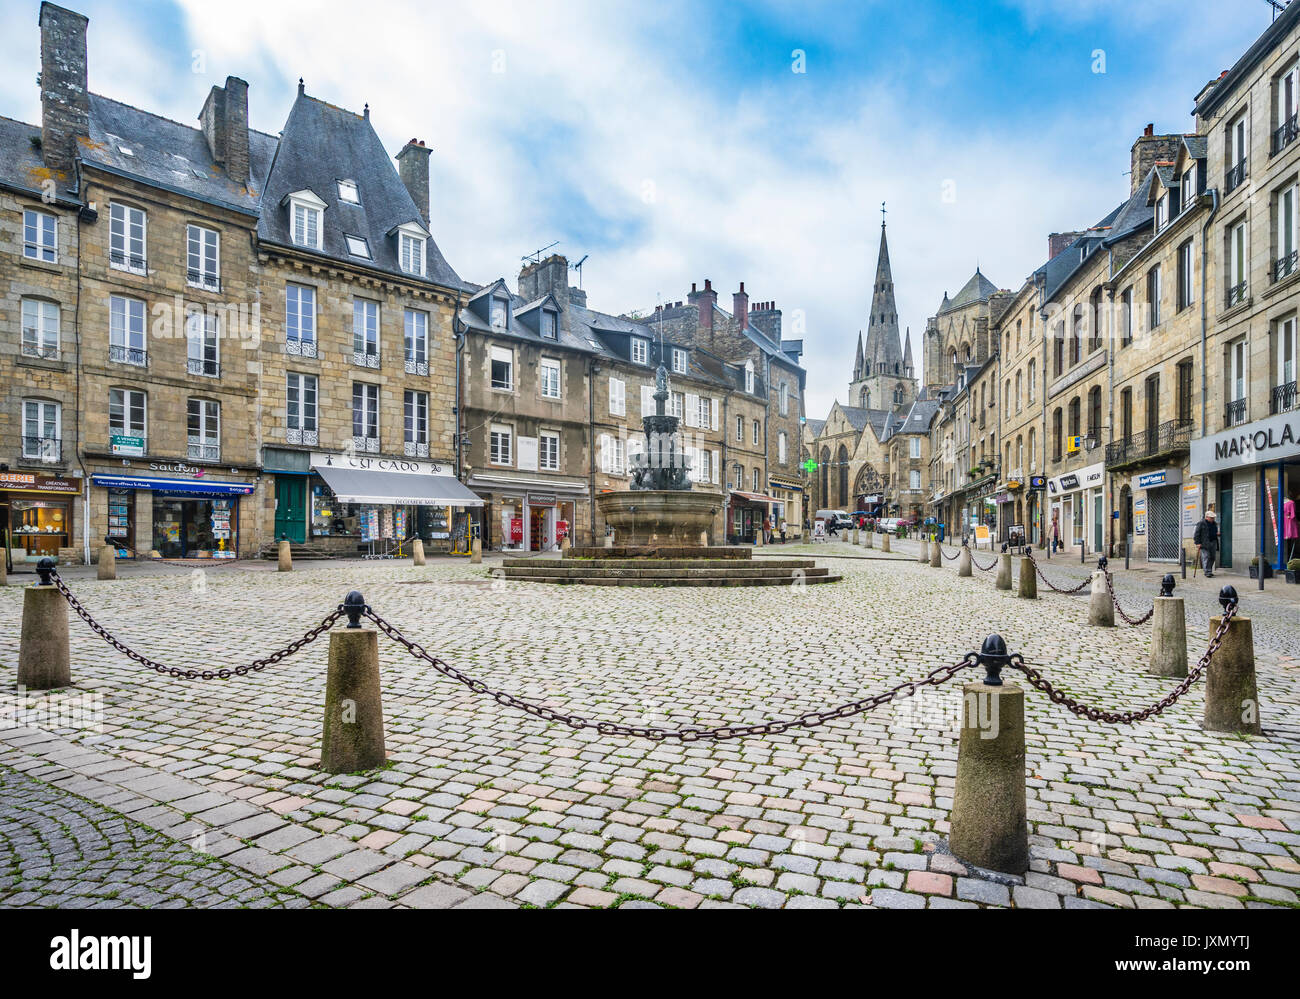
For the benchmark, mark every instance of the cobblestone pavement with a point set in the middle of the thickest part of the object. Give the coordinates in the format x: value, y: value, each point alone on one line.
x: 486, y: 806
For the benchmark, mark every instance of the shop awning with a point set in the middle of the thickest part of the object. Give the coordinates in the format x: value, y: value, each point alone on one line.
x: 186, y: 487
x: 754, y: 497
x: 356, y: 485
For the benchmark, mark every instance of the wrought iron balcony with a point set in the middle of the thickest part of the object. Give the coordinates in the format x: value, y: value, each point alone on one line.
x: 47, y: 450
x: 1285, y: 134
x: 203, y: 366
x: 128, y: 355
x: 201, y: 450
x: 204, y: 280
x: 1283, y: 398
x: 297, y: 436
x: 1285, y: 265
x: 1234, y: 178
x: 365, y: 359
x: 127, y: 262
x: 1167, y: 438
x: 1237, y: 294
x: 368, y: 445
x: 415, y: 449
x: 302, y: 348
x: 1234, y: 413
x: 33, y: 349
x: 414, y: 367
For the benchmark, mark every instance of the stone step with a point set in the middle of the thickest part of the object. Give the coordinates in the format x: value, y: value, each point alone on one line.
x: 585, y: 565
x: 712, y: 580
x: 596, y: 572
x: 732, y: 552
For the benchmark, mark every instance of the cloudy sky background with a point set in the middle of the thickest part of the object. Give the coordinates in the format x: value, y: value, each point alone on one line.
x: 673, y: 142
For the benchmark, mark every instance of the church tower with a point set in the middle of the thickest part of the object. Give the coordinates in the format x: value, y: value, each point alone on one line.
x: 883, y: 377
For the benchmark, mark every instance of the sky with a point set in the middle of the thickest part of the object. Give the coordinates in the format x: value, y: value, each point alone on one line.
x: 675, y: 141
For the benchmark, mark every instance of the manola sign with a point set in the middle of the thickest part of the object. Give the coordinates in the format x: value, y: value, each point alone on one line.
x: 1272, y: 439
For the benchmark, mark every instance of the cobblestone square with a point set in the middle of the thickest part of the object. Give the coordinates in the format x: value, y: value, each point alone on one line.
x: 208, y: 792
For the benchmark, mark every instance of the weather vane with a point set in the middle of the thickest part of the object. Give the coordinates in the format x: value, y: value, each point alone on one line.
x: 882, y: 213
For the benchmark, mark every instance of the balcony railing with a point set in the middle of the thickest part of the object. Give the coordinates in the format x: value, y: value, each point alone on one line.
x: 414, y: 367
x: 128, y: 262
x: 1285, y: 134
x: 369, y: 445
x: 204, y: 367
x: 1285, y: 265
x: 128, y: 355
x: 201, y: 450
x: 48, y: 450
x: 1283, y: 398
x: 415, y: 449
x: 295, y: 436
x: 204, y: 280
x: 1173, y: 435
x: 302, y: 348
x: 1237, y: 294
x: 1234, y: 177
x: 1234, y: 413
x: 365, y: 358
x: 32, y: 349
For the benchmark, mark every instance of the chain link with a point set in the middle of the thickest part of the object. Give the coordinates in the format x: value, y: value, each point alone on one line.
x: 1037, y: 680
x: 197, y: 563
x: 982, y: 568
x: 1120, y: 610
x: 191, y: 674
x: 954, y: 555
x: 1052, y: 586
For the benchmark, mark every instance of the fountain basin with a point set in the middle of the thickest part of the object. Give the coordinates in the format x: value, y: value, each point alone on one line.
x: 660, y: 516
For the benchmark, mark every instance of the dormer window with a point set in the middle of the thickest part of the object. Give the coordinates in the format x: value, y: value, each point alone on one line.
x: 749, y: 377
x: 357, y: 246
x: 1189, y: 188
x: 679, y: 361
x: 550, y: 324
x: 640, y: 350
x: 499, y: 315
x: 348, y: 192
x: 412, y: 254
x: 305, y: 210
x: 1162, y: 211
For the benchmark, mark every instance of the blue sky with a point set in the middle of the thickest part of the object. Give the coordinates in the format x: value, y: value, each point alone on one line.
x: 673, y: 142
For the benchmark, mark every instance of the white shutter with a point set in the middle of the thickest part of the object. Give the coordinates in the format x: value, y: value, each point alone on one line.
x: 714, y: 404
x: 647, y: 400
x: 717, y: 461
x: 617, y: 399
x: 604, y: 453
x: 692, y: 409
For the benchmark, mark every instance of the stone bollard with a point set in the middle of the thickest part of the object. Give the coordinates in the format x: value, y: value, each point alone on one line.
x: 417, y: 552
x: 107, y: 568
x: 758, y: 536
x: 476, y: 550
x: 1231, y: 697
x: 936, y: 555
x: 566, y: 544
x: 989, y: 820
x: 1003, y: 582
x: 4, y: 570
x: 1168, y: 633
x: 353, y: 734
x: 856, y: 536
x: 884, y: 542
x: 923, y: 555
x: 286, y: 556
x: 43, y: 660
x: 1028, y: 579
x: 1101, y: 608
x: 869, y: 541
x: 964, y: 562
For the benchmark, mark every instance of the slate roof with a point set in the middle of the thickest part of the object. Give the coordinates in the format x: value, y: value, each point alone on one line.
x: 1229, y: 83
x: 1121, y: 222
x: 21, y: 166
x: 977, y: 289
x: 815, y: 427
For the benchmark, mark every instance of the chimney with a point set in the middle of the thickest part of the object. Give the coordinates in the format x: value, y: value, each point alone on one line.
x: 224, y: 119
x: 550, y: 276
x: 706, y: 300
x: 578, y: 297
x: 413, y: 168
x: 740, y: 306
x: 1058, y: 241
x: 1148, y: 150
x: 65, y: 99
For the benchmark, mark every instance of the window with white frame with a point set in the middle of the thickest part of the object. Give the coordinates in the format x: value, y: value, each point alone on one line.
x: 740, y: 429
x: 749, y: 377
x: 1187, y: 192
x: 548, y: 374
x: 358, y: 246
x: 203, y: 427
x: 365, y: 332
x: 1237, y: 151
x: 416, y: 338
x: 1237, y: 264
x: 300, y: 410
x: 613, y: 454
x: 300, y: 319
x: 503, y: 369
x: 128, y: 414
x: 202, y: 343
x: 499, y: 314
x: 126, y: 343
x: 412, y: 253
x: 40, y: 334
x: 1288, y: 235
x: 202, y: 257
x: 42, y: 434
x: 617, y: 397
x: 550, y: 324
x: 1162, y: 211
x: 1185, y: 273
x: 365, y: 416
x: 757, y: 484
x: 348, y: 192
x: 501, y: 444
x: 126, y: 238
x: 40, y: 236
x: 781, y: 447
x: 1153, y: 297
x: 785, y: 399
x: 306, y: 225
x: 1237, y: 381
x: 677, y: 405
x: 914, y: 479
x: 703, y: 411
x: 1288, y: 94
x: 756, y: 431
x: 679, y: 361
x: 548, y: 451
x: 1285, y: 391
x: 415, y: 408
x: 1030, y: 381
x: 914, y: 447
x: 640, y: 350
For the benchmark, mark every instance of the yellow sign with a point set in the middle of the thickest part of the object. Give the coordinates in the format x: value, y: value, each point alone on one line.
x: 1073, y: 444
x: 982, y: 532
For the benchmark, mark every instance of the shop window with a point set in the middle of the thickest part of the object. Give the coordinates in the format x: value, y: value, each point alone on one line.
x: 121, y: 520
x: 300, y: 319
x: 365, y: 417
x: 40, y: 333
x: 416, y: 327
x: 42, y: 437
x: 204, y: 429
x: 301, y: 409
x: 416, y: 408
x: 39, y: 527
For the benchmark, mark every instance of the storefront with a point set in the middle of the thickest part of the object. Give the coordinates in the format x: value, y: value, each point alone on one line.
x: 196, y: 518
x: 1165, y: 512
x: 37, y: 515
x: 789, y: 506
x: 522, y: 513
x: 1253, y: 481
x: 745, y: 515
x: 1077, y: 503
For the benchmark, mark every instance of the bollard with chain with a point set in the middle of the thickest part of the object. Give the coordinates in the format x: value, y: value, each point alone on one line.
x: 285, y: 554
x: 1101, y: 606
x: 923, y: 551
x: 352, y: 736
x: 964, y: 561
x: 1168, y: 632
x: 1231, y: 696
x: 43, y: 657
x: 989, y: 826
x: 107, y: 566
x: 1028, y: 578
x: 1003, y: 582
x: 936, y: 555
x: 417, y: 551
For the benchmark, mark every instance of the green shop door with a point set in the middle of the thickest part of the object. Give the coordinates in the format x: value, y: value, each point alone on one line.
x: 1225, y: 524
x: 291, y: 508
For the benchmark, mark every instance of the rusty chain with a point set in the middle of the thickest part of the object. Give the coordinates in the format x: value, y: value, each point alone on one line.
x: 1120, y: 610
x: 190, y: 674
x: 808, y: 719
x: 1052, y: 586
x: 1037, y: 680
x: 956, y: 554
x: 193, y: 563
x: 982, y: 568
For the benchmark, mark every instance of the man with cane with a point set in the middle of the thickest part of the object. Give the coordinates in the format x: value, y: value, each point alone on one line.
x: 1206, y: 538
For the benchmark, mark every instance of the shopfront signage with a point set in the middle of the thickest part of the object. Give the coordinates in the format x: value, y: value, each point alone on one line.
x: 541, y: 499
x: 371, y: 463
x: 1082, y: 479
x: 1271, y: 439
x: 1151, y: 479
x: 37, y: 483
x: 1038, y: 482
x: 132, y: 447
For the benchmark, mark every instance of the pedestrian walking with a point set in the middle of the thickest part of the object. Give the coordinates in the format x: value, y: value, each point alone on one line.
x: 1206, y: 539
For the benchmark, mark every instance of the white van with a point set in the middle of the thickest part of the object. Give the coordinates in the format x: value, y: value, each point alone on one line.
x: 839, y: 518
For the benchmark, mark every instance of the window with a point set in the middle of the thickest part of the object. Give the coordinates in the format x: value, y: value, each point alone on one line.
x: 415, y: 408
x: 365, y: 417
x: 703, y: 412
x: 503, y: 369
x: 126, y: 238
x: 500, y: 441
x: 1284, y: 393
x: 348, y: 192
x: 201, y: 336
x: 1076, y: 337
x: 1236, y: 409
x: 613, y: 454
x: 306, y: 226
x: 1126, y: 414
x: 740, y: 429
x: 1126, y: 317
x: 1075, y: 417
x: 499, y: 316
x: 1031, y: 380
x: 1288, y: 238
x: 365, y: 332
x: 550, y: 324
x: 1033, y: 452
x: 300, y: 411
x: 640, y: 350
x: 757, y: 483
x: 617, y: 397
x: 1162, y: 211
x: 357, y: 246
x: 1094, y: 413
x: 1019, y: 394
x: 126, y: 330
x: 677, y: 405
x: 300, y: 319
x: 679, y: 361
x: 40, y: 236
x: 202, y: 256
x: 781, y: 447
x: 1153, y: 297
x: 41, y: 431
x: 548, y: 451
x: 1057, y: 434
x: 127, y: 414
x: 914, y: 479
x: 416, y: 339
x: 1185, y: 275
x: 40, y: 328
x: 412, y: 254
x: 1183, y: 398
x: 204, y: 430
x: 1236, y: 151
x: 1187, y: 190
x: 1058, y: 349
x: 549, y: 375
x: 1288, y: 92
x: 705, y: 465
x: 1237, y: 283
x: 749, y: 377
x: 756, y: 428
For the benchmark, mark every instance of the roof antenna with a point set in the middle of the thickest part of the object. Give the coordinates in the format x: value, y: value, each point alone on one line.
x: 536, y: 256
x: 578, y: 267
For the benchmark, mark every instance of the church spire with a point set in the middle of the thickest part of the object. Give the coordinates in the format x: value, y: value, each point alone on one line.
x: 857, y: 363
x: 907, y: 353
x: 884, y: 351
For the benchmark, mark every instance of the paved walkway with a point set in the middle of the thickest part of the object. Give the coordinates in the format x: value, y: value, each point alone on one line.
x: 483, y: 805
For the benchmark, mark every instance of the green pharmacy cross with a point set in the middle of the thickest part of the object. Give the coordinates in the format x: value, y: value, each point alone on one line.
x: 810, y: 466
